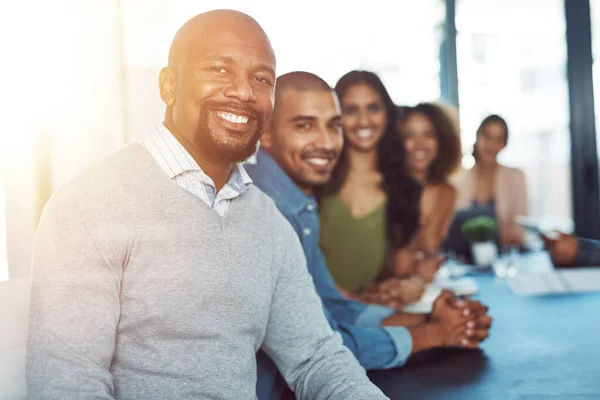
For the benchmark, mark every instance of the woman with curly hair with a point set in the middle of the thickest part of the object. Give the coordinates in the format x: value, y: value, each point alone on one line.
x: 433, y: 153
x: 370, y: 208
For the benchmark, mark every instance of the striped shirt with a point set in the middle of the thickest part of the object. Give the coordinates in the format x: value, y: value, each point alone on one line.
x: 179, y: 166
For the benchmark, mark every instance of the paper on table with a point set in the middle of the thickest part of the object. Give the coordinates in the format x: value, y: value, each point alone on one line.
x: 425, y: 303
x: 460, y: 287
x: 582, y: 279
x: 536, y: 262
x: 547, y: 282
x: 578, y: 280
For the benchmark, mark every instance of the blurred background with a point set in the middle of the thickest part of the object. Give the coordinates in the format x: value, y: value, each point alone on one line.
x: 80, y: 80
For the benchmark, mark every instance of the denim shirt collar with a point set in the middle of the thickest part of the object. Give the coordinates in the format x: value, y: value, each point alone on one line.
x: 272, y: 180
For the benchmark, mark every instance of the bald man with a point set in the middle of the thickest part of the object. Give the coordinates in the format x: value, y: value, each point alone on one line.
x: 159, y: 272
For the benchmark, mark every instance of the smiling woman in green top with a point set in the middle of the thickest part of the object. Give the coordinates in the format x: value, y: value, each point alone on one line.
x: 354, y: 247
x: 371, y: 206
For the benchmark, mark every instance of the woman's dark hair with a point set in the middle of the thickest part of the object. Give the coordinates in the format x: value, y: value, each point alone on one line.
x: 490, y: 119
x: 448, y: 137
x: 402, y: 191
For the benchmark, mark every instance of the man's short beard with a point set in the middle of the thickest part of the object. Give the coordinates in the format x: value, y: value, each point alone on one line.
x: 241, y: 155
x: 223, y: 150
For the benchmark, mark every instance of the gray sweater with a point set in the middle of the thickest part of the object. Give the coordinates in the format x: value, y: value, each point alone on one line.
x: 142, y: 291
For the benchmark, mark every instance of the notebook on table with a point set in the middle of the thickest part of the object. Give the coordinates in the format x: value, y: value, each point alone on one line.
x: 536, y: 276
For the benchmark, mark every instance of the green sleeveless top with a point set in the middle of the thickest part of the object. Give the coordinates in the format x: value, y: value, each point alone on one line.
x: 354, y: 248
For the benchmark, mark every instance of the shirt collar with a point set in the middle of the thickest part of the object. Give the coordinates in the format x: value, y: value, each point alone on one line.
x: 174, y: 159
x: 239, y: 179
x: 273, y: 180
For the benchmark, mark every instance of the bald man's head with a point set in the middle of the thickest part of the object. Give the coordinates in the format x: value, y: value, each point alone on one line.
x: 219, y: 86
x: 305, y: 136
x: 203, y: 25
x: 297, y: 81
x: 301, y: 80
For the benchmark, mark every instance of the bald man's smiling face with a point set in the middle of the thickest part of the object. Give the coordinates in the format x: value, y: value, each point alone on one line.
x: 224, y: 90
x: 306, y: 136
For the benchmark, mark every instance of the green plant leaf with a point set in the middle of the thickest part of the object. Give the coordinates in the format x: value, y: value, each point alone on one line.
x: 480, y: 229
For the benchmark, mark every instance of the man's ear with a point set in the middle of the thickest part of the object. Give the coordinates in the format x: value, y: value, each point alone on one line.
x: 167, y: 85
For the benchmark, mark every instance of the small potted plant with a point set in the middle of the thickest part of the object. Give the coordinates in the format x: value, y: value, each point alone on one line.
x: 481, y: 232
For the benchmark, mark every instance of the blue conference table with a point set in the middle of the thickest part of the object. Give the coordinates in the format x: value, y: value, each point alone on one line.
x: 540, y: 348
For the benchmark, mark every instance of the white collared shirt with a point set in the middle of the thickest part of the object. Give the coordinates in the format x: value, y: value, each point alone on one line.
x: 179, y: 166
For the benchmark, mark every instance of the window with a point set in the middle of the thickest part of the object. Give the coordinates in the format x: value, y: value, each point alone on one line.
x: 595, y: 20
x: 512, y: 61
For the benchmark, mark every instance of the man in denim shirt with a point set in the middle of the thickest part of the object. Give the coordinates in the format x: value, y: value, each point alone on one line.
x: 305, y: 138
x: 573, y: 251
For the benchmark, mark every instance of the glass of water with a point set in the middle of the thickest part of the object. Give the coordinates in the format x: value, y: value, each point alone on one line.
x: 506, y: 265
x: 513, y: 261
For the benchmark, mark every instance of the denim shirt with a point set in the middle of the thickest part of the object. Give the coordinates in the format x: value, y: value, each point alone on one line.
x: 359, y: 324
x: 588, y: 253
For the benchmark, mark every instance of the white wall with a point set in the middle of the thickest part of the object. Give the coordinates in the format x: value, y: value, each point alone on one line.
x: 62, y: 100
x: 87, y: 123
